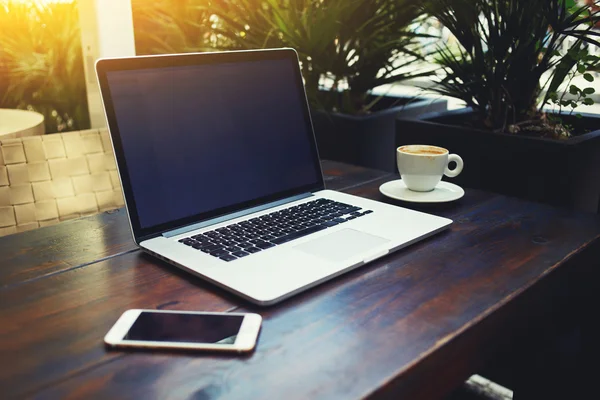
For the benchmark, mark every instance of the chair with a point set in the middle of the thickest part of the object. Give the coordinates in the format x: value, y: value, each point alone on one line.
x: 51, y: 178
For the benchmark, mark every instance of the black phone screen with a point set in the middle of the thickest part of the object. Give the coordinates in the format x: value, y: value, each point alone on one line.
x: 179, y: 327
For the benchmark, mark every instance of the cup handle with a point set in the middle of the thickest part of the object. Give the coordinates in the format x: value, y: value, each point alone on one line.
x: 459, y: 166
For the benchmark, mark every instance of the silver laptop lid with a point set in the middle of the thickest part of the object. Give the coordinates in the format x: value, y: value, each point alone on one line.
x: 198, y: 136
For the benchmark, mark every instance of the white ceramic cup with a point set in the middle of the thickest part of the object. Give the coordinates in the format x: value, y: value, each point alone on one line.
x: 421, y: 166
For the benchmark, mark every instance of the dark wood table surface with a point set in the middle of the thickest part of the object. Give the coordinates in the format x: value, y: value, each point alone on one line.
x: 412, y: 325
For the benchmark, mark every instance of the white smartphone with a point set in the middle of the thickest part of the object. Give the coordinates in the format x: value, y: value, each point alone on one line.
x: 192, y: 330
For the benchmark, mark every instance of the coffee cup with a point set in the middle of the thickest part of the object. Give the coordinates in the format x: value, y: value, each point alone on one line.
x: 421, y: 167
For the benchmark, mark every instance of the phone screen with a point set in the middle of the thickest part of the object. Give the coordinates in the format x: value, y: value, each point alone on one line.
x: 194, y: 328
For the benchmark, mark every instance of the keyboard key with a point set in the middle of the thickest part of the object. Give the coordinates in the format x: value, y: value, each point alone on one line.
x: 348, y: 210
x: 264, y: 245
x: 367, y: 212
x: 329, y: 223
x: 252, y: 249
x: 219, y: 253
x: 233, y: 249
x: 339, y: 220
x: 228, y: 257
x: 211, y: 248
x: 244, y: 245
x: 298, y: 234
x: 240, y: 254
x: 267, y: 238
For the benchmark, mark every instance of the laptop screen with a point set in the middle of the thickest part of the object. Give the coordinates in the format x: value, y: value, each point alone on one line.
x: 205, y: 139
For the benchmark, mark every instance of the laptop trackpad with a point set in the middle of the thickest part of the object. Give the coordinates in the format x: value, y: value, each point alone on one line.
x: 341, y: 245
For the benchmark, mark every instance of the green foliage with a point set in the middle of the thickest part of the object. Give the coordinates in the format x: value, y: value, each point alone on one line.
x: 41, y: 66
x: 506, y: 47
x: 356, y: 45
x: 577, y: 61
x: 172, y: 26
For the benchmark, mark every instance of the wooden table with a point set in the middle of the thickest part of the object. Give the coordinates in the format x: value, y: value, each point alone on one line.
x: 412, y: 325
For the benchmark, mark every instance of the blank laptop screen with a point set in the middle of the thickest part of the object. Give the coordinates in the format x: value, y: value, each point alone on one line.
x: 198, y: 138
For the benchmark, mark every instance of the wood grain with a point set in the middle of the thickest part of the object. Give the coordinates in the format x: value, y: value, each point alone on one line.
x: 436, y: 309
x: 54, y: 327
x: 45, y: 251
x: 339, y: 176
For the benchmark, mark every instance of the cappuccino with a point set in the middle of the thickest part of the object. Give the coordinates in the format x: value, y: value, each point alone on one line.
x: 423, y: 150
x: 421, y: 166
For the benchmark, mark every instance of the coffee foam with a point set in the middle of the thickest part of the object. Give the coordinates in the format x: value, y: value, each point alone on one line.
x: 424, y: 150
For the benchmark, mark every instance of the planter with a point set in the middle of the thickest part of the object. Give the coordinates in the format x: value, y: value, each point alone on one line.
x: 368, y: 140
x: 20, y: 123
x: 564, y: 173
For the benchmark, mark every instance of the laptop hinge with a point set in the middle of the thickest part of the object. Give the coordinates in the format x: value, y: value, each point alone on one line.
x: 228, y: 217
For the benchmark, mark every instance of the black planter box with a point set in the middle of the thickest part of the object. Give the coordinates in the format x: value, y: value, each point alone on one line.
x: 368, y: 140
x: 564, y: 173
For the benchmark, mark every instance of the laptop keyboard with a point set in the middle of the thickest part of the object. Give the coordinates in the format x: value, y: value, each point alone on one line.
x: 261, y: 233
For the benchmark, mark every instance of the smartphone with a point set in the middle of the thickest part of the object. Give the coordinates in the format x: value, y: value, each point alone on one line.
x: 164, y: 329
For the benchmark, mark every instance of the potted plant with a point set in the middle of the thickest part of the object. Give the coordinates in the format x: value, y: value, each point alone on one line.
x: 519, y: 134
x: 41, y: 63
x: 346, y: 48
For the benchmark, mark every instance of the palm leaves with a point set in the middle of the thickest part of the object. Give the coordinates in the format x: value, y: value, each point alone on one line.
x: 355, y: 45
x: 506, y: 47
x: 41, y: 64
x: 171, y: 26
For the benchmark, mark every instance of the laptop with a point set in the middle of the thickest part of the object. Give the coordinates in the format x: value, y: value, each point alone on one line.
x: 221, y: 175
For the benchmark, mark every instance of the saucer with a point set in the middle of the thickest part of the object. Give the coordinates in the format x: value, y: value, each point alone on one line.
x: 443, y: 192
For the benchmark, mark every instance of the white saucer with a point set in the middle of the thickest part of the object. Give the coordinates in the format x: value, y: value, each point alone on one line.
x: 443, y: 192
